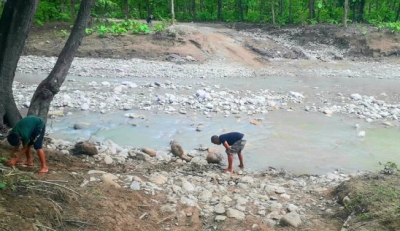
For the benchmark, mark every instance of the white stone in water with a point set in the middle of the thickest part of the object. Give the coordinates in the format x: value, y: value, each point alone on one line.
x: 296, y: 94
x: 27, y: 104
x: 201, y: 94
x: 356, y: 96
x: 209, y: 106
x: 118, y: 90
x: 85, y: 107
x: 105, y: 83
x: 361, y: 134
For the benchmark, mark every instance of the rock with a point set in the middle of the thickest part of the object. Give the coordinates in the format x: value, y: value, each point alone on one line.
x: 247, y: 179
x: 162, y: 156
x: 219, y: 209
x: 187, y: 186
x: 198, y: 162
x: 296, y: 95
x: 220, y: 218
x: 85, y: 107
x: 361, y: 134
x: 233, y: 213
x: 108, y: 160
x: 79, y: 126
x: 158, y: 179
x: 255, y: 122
x: 109, y: 178
x: 178, y: 151
x: 291, y: 219
x: 292, y: 208
x: 135, y: 185
x: 356, y: 96
x: 149, y: 151
x: 213, y: 158
x: 205, y: 196
x: 188, y: 202
x: 85, y: 148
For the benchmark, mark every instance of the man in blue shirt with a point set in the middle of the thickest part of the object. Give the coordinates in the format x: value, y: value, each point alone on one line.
x: 233, y: 143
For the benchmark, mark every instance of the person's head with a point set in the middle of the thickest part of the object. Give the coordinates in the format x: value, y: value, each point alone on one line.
x: 215, y: 139
x: 13, y: 139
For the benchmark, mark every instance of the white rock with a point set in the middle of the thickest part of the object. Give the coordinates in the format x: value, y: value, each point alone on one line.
x: 108, y: 160
x: 292, y: 219
x: 187, y: 186
x: 219, y: 209
x: 233, y: 213
x: 85, y: 107
x: 361, y: 134
x: 135, y: 185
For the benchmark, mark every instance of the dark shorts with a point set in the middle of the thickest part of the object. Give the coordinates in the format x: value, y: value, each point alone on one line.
x: 37, y: 138
x: 237, y: 147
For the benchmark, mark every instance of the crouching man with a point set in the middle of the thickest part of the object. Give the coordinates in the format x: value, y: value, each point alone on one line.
x: 28, y: 131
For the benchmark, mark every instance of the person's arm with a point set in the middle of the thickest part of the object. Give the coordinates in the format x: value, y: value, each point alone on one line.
x: 14, y: 161
x: 226, y: 145
x: 15, y: 149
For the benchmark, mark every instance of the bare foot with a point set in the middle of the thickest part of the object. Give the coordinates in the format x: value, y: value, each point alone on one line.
x: 25, y: 164
x: 228, y: 171
x: 43, y: 170
x: 11, y: 163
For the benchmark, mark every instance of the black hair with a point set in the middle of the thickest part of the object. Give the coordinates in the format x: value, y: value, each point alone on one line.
x: 13, y: 139
x: 214, y: 138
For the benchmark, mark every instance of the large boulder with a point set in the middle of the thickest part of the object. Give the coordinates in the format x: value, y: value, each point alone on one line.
x: 87, y: 148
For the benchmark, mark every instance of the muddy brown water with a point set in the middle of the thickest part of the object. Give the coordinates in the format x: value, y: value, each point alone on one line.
x: 299, y: 142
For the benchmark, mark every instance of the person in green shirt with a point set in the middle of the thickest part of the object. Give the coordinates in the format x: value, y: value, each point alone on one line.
x: 28, y: 131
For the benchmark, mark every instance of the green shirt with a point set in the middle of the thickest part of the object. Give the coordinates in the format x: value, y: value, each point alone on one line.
x: 26, y: 127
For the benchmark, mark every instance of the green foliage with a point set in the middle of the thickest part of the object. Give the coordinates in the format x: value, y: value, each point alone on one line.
x: 64, y: 32
x: 255, y: 11
x: 88, y: 31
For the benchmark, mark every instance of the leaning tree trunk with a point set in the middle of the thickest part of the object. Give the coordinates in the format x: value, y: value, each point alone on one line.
x: 15, y: 23
x: 172, y: 12
x: 49, y: 87
x: 346, y: 7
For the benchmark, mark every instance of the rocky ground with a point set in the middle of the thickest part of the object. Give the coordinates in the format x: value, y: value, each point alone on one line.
x: 102, y: 186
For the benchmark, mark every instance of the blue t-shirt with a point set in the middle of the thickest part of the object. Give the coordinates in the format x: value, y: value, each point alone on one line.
x: 231, y: 137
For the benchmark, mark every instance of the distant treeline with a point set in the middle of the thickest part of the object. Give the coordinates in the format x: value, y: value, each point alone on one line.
x: 280, y: 12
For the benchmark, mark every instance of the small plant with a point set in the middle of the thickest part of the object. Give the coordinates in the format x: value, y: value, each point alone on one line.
x: 364, y: 32
x: 88, y: 31
x: 64, y: 32
x: 102, y: 30
x: 39, y: 22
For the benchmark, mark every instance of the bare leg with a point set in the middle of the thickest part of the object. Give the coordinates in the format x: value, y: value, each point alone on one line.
x: 230, y: 164
x: 240, y: 155
x: 29, y: 161
x: 42, y: 159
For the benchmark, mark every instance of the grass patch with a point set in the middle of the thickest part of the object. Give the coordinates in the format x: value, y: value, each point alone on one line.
x: 372, y: 199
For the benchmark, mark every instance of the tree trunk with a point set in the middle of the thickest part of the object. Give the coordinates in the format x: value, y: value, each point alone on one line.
x: 273, y: 11
x: 172, y: 12
x: 290, y: 11
x: 361, y: 11
x: 49, y: 87
x: 219, y: 10
x: 73, y: 8
x: 194, y: 10
x: 346, y: 7
x: 240, y: 7
x: 398, y: 13
x: 311, y: 9
x: 15, y: 23
x: 126, y: 9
